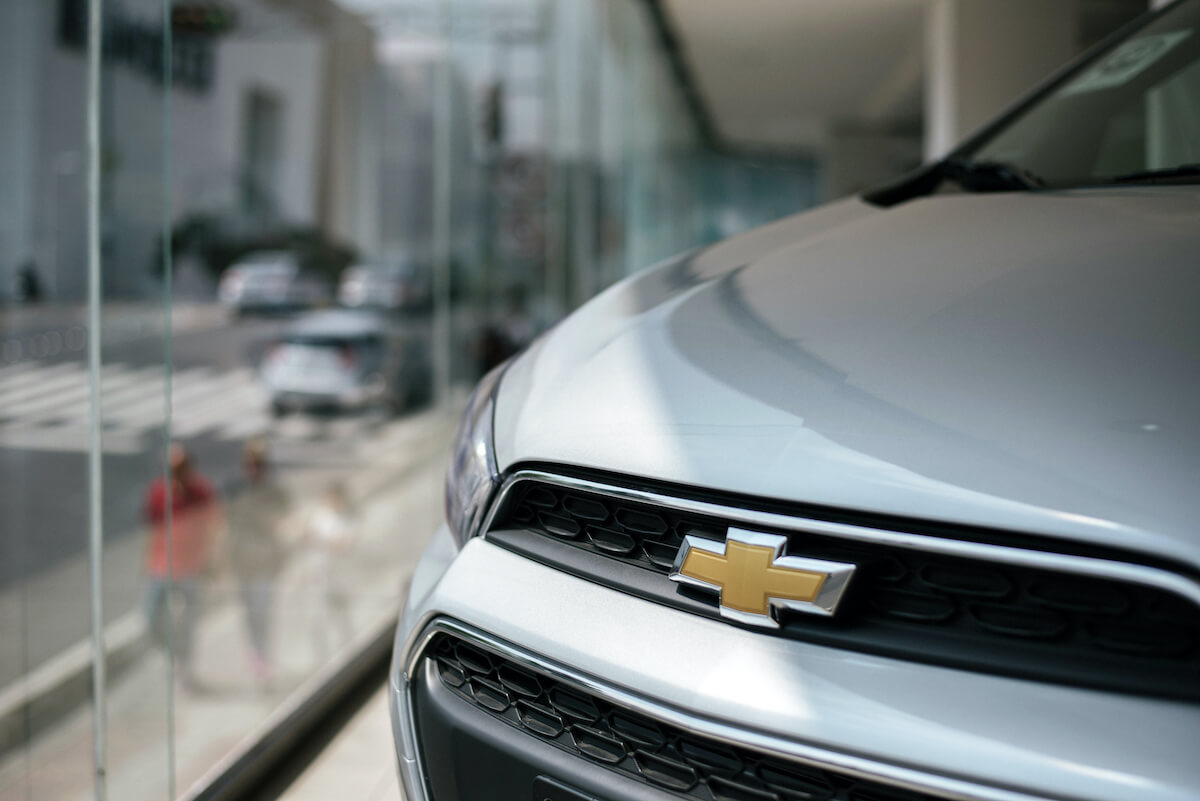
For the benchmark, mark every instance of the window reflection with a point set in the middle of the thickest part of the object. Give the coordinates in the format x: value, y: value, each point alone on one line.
x: 285, y: 345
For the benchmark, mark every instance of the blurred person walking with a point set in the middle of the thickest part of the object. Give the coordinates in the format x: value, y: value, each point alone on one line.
x: 182, y: 514
x: 258, y: 510
x: 329, y: 534
x: 29, y: 283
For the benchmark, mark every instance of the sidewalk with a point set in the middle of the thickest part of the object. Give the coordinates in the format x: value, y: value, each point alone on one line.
x: 399, y: 497
x: 23, y: 328
x: 184, y: 314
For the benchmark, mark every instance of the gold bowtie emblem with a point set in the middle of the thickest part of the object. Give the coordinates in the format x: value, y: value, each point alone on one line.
x: 754, y: 580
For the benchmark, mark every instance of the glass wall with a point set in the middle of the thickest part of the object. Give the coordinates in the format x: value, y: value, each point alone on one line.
x: 252, y: 255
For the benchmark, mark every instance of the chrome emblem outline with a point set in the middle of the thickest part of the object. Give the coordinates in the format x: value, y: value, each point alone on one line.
x: 834, y: 577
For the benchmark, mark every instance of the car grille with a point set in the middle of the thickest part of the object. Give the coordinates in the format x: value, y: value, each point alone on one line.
x: 902, y: 602
x: 633, y: 744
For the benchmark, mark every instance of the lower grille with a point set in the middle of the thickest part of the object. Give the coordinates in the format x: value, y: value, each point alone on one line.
x: 661, y: 755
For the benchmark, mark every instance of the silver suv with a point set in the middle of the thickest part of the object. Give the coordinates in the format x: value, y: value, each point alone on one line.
x: 895, y: 500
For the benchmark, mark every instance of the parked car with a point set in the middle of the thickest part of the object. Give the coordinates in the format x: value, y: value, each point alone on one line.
x: 384, y: 286
x: 338, y: 361
x: 894, y: 499
x: 271, y: 281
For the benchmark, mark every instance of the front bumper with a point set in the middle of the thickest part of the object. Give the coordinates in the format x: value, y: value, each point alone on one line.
x: 351, y: 400
x: 932, y: 730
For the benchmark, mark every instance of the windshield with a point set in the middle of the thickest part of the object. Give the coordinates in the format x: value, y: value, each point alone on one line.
x: 1131, y: 114
x: 324, y: 355
x: 310, y: 358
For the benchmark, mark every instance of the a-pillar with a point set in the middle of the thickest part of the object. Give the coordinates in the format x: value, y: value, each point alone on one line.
x: 981, y: 55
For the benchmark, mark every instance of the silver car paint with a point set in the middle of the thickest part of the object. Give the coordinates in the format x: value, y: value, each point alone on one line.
x: 1024, y: 361
x: 1047, y: 740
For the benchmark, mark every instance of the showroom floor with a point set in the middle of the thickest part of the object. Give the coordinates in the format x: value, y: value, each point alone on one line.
x: 357, y: 765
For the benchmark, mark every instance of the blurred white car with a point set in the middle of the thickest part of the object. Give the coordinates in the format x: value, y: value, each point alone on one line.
x: 338, y: 361
x: 270, y: 281
x: 384, y: 286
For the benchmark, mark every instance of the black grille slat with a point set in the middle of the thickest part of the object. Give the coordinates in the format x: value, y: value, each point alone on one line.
x: 559, y: 526
x: 660, y: 555
x: 902, y: 602
x: 538, y: 720
x: 573, y: 705
x: 681, y: 762
x: 914, y: 606
x: 1081, y: 596
x: 1015, y: 621
x: 807, y: 785
x: 598, y: 745
x: 519, y: 682
x: 956, y: 580
x: 489, y: 694
x: 611, y: 541
x: 724, y: 790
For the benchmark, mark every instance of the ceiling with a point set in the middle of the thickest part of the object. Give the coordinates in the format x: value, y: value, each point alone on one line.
x: 776, y: 74
x: 781, y: 74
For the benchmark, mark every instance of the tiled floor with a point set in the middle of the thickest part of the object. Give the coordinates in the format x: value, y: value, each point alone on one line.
x: 358, y: 765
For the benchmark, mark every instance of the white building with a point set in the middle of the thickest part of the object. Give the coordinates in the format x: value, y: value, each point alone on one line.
x: 264, y: 120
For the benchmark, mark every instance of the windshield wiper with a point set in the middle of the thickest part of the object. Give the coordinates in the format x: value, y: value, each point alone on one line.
x: 990, y: 176
x: 1165, y: 175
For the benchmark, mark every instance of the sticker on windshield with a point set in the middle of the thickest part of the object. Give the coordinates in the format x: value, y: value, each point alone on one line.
x: 1126, y: 62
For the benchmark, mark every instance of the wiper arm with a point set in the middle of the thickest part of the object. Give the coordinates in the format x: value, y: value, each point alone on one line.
x: 1165, y: 175
x: 990, y: 176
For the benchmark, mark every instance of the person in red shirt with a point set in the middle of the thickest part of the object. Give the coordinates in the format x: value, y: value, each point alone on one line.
x: 176, y: 562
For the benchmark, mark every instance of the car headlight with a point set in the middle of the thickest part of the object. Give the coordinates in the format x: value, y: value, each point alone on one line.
x: 473, y: 474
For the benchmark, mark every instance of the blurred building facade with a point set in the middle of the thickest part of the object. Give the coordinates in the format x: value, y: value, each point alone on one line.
x: 264, y: 123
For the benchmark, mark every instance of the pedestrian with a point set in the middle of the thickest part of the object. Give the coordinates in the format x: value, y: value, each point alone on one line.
x: 258, y: 510
x: 328, y: 533
x: 29, y: 284
x: 182, y: 514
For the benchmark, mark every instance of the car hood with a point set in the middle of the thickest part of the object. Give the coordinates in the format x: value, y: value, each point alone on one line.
x: 1028, y: 361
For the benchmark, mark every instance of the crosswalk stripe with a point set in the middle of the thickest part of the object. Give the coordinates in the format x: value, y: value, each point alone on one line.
x: 193, y: 397
x: 70, y: 401
x: 117, y: 393
x: 246, y: 425
x: 217, y: 411
x: 119, y: 384
x: 67, y: 439
x: 10, y: 371
x: 47, y: 409
x: 224, y: 397
x: 150, y: 409
x: 149, y: 385
x: 44, y: 380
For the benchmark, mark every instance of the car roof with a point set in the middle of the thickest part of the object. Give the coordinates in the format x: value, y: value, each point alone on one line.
x: 336, y: 323
x: 267, y: 260
x: 388, y: 268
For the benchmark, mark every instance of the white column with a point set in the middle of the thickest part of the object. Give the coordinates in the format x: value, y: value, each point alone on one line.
x: 441, y: 201
x: 981, y: 55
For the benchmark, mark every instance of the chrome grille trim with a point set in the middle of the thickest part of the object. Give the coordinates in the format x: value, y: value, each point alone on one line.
x: 1084, y: 566
x: 950, y: 788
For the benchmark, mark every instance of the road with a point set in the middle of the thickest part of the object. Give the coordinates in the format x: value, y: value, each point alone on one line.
x: 217, y: 404
x: 397, y: 509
